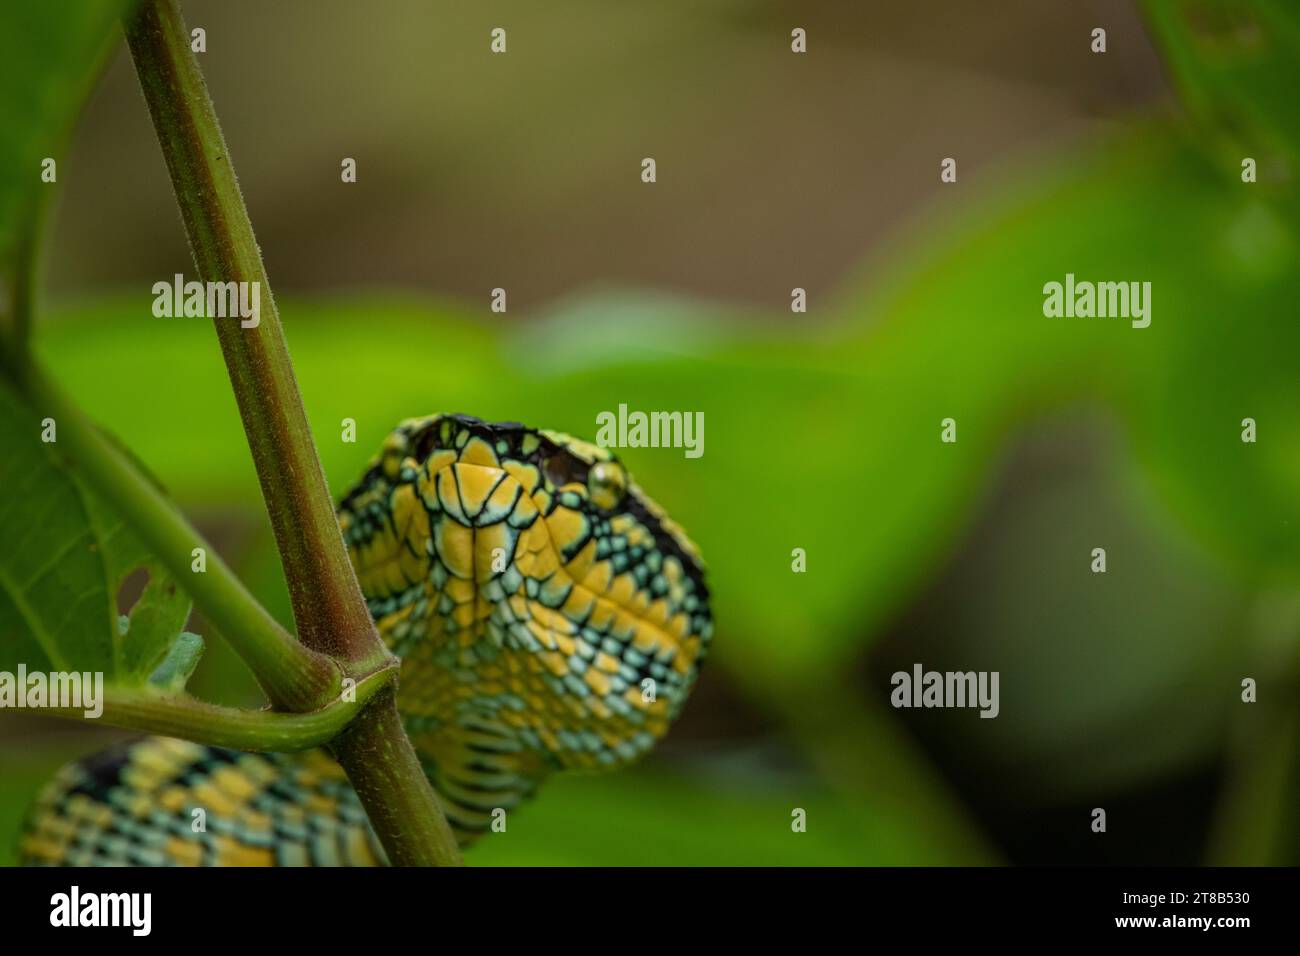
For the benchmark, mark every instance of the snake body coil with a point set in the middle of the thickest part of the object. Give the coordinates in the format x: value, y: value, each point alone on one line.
x: 548, y: 616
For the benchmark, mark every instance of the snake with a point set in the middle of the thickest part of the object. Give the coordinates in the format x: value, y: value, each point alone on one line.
x: 548, y: 616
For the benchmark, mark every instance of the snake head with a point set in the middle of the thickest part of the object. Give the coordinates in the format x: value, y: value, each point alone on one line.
x: 532, y: 589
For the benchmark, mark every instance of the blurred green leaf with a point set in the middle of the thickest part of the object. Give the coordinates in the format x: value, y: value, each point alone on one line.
x: 654, y: 817
x: 49, y: 53
x: 959, y: 331
x: 772, y: 413
x: 1235, y: 66
x: 1224, y: 278
x: 825, y: 442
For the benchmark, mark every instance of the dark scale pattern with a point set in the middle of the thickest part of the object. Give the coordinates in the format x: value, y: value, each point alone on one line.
x: 136, y: 804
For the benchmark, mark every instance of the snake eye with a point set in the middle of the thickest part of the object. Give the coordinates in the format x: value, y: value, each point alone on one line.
x: 606, y: 484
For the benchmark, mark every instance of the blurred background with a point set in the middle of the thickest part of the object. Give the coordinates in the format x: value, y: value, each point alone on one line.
x: 778, y: 170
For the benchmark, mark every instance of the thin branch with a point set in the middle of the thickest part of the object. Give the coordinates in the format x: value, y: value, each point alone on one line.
x: 383, y: 769
x: 328, y: 607
x: 264, y: 731
x: 1256, y: 813
x: 1256, y: 809
x: 327, y: 604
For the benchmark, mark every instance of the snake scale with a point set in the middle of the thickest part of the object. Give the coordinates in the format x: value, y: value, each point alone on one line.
x: 548, y: 616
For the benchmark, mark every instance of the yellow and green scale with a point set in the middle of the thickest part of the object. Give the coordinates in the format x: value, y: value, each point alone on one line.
x: 548, y: 615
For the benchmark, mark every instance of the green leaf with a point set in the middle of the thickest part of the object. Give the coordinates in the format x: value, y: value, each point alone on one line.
x: 49, y: 53
x: 158, y: 615
x: 66, y: 558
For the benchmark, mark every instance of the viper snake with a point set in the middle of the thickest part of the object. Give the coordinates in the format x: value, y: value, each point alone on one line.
x: 548, y: 616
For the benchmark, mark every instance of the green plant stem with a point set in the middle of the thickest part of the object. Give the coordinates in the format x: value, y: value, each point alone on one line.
x: 388, y: 778
x: 1256, y: 818
x: 271, y: 731
x: 293, y: 677
x: 858, y: 746
x: 1257, y: 806
x: 858, y: 749
x: 328, y: 607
